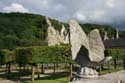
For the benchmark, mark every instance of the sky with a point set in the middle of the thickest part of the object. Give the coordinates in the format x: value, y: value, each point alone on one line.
x: 111, y: 12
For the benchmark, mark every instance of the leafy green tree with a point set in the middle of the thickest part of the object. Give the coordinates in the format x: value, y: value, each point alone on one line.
x: 7, y: 57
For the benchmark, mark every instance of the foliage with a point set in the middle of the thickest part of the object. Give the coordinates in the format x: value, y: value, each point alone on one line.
x: 117, y: 53
x: 122, y: 33
x: 23, y: 55
x: 22, y: 29
x: 58, y: 25
x: 6, y: 56
x: 43, y: 54
x: 111, y: 31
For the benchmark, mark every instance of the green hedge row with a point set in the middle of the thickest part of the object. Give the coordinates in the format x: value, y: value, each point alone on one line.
x: 6, y: 56
x: 47, y: 54
x: 116, y: 53
x: 43, y: 54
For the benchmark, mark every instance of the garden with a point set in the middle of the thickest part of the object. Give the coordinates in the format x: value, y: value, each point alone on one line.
x: 49, y: 64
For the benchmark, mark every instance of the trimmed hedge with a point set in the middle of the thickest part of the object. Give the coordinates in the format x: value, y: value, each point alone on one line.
x: 23, y: 55
x: 116, y: 53
x: 6, y: 56
x: 43, y: 54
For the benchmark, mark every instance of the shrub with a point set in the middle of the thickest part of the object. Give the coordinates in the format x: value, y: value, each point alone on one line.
x: 43, y: 54
x: 6, y: 56
x: 117, y: 53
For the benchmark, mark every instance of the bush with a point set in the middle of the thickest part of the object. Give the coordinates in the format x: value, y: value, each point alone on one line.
x: 43, y: 54
x: 116, y: 53
x: 6, y: 56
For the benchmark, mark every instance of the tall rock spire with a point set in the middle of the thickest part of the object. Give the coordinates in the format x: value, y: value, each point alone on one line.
x: 64, y: 35
x: 105, y: 35
x: 117, y: 34
x: 53, y: 37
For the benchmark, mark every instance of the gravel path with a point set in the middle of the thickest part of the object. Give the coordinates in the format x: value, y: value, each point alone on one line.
x: 7, y: 81
x: 108, y: 78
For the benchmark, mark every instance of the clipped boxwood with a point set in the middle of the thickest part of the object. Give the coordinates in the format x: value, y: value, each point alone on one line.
x: 43, y: 54
x: 23, y: 55
x: 6, y: 56
x: 117, y: 53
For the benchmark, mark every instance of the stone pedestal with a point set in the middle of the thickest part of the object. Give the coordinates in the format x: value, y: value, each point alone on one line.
x: 86, y: 72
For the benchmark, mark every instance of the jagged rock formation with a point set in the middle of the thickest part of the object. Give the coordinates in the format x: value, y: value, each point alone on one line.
x: 78, y: 38
x: 63, y: 32
x: 117, y: 34
x: 87, y: 51
x: 64, y: 35
x: 91, y: 48
x: 105, y: 36
x: 96, y: 46
x: 54, y: 37
x: 66, y: 40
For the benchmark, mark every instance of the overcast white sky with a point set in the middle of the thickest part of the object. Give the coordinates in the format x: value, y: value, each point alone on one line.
x: 85, y: 11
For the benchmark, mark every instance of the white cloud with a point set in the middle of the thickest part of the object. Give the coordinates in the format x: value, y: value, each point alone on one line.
x: 44, y: 3
x: 15, y: 7
x: 85, y: 11
x: 79, y: 16
x: 58, y: 7
x: 96, y: 16
x: 110, y: 3
x: 99, y: 14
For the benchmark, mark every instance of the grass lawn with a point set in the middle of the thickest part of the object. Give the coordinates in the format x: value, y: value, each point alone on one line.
x: 106, y: 70
x: 57, y: 78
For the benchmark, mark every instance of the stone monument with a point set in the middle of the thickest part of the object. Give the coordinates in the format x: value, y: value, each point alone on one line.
x: 87, y: 51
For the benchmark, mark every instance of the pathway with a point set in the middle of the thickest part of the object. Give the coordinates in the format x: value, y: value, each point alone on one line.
x: 108, y: 78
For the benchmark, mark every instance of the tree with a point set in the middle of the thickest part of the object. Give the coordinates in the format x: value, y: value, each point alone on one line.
x: 7, y: 57
x: 35, y: 55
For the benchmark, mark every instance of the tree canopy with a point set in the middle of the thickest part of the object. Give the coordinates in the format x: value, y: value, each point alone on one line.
x: 111, y: 31
x: 23, y: 29
x: 43, y: 54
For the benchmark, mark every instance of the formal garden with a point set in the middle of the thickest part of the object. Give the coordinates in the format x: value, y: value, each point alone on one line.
x: 49, y: 64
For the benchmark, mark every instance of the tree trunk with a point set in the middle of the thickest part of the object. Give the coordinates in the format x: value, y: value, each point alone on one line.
x: 42, y: 68
x: 71, y: 67
x: 115, y: 64
x: 54, y: 68
x: 19, y: 67
x: 108, y: 66
x: 9, y: 67
x: 100, y: 69
x: 24, y: 67
x: 38, y: 71
x: 33, y: 73
x: 124, y: 64
x: 6, y: 68
x: 47, y: 67
x: 57, y: 65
